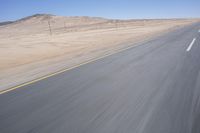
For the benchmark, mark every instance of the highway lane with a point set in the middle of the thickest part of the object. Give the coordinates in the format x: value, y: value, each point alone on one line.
x: 152, y: 88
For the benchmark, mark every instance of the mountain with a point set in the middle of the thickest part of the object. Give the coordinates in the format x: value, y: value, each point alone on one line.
x: 5, y: 23
x: 39, y: 23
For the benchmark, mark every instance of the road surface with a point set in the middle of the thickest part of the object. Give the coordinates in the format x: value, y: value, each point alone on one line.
x: 152, y: 88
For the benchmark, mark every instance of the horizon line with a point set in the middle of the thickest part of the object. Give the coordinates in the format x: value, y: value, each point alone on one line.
x: 149, y: 18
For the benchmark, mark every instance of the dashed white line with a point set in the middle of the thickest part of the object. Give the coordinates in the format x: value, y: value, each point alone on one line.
x: 191, y: 44
x: 199, y: 31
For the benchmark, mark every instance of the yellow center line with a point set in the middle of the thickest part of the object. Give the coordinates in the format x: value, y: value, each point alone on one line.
x: 64, y: 70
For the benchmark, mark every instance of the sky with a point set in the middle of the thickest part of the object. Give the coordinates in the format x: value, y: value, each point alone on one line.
x: 117, y: 9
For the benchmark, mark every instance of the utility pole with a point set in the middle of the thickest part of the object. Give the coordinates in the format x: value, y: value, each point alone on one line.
x: 49, y: 27
x: 116, y: 24
x: 65, y: 26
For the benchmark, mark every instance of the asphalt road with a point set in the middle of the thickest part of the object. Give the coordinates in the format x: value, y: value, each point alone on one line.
x: 152, y: 88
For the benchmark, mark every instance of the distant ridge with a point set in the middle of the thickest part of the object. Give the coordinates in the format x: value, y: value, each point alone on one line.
x: 26, y: 18
x: 6, y: 23
x: 72, y: 20
x: 48, y: 16
x: 34, y: 16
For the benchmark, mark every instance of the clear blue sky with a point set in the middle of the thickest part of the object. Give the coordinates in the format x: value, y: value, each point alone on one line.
x: 123, y: 9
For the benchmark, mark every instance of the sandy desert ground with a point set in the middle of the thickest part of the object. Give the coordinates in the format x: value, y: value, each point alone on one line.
x: 29, y: 51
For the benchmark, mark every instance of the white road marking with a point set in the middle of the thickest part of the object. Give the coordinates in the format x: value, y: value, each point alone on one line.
x: 199, y: 30
x: 191, y: 44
